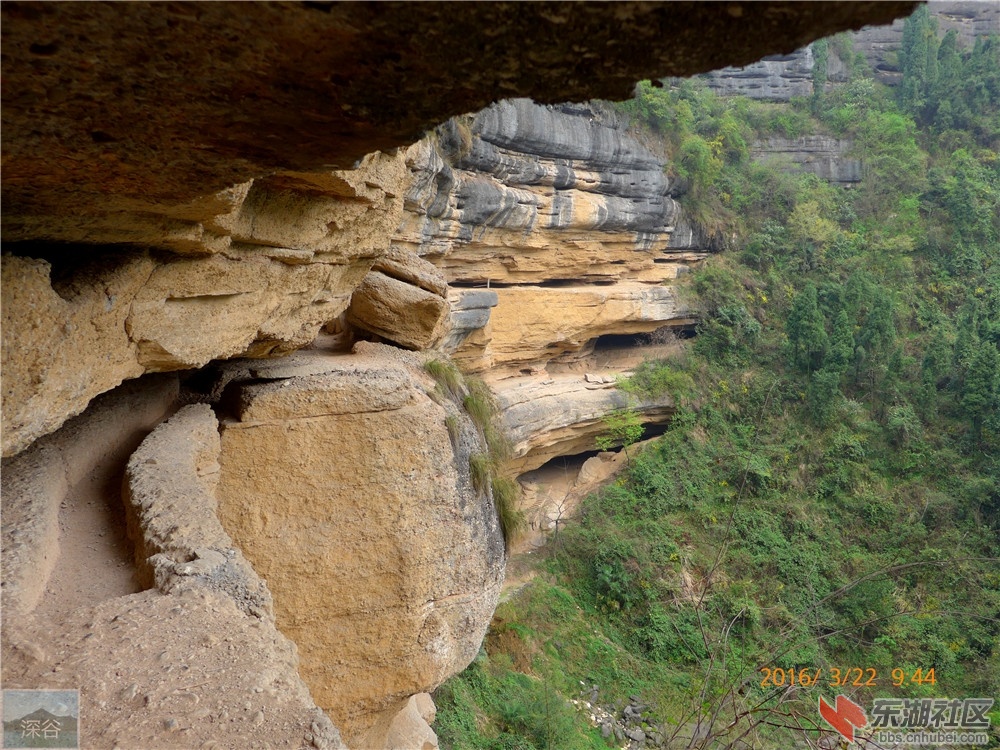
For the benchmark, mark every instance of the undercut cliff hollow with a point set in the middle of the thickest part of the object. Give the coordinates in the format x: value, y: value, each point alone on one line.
x: 278, y: 332
x: 561, y: 239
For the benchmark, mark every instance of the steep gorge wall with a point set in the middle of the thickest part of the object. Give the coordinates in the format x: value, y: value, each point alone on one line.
x: 217, y: 229
x: 558, y: 231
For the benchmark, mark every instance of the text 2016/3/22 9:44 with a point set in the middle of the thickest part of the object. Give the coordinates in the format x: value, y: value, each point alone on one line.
x: 843, y: 677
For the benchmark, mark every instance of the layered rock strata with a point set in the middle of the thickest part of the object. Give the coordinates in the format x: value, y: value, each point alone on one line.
x: 346, y: 482
x: 562, y: 415
x: 781, y: 77
x: 824, y: 156
x: 260, y: 276
x: 227, y: 96
x: 217, y: 230
x: 880, y: 43
x: 775, y: 78
x: 558, y: 230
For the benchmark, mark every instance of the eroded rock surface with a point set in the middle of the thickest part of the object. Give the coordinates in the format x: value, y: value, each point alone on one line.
x: 182, y: 665
x: 826, y: 157
x: 561, y: 415
x: 220, y: 230
x: 775, y: 78
x: 534, y: 325
x: 557, y: 229
x: 781, y: 77
x: 523, y: 193
x: 351, y: 495
x: 283, y: 260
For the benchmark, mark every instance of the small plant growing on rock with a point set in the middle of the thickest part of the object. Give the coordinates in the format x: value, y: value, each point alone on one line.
x: 447, y: 376
x: 482, y: 408
x: 624, y: 429
x: 486, y: 470
x: 479, y: 471
x: 507, y: 494
x: 451, y: 422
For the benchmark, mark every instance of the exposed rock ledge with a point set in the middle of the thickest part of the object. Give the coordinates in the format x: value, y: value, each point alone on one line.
x: 569, y: 220
x: 561, y: 415
x: 181, y: 665
x: 269, y: 263
x: 227, y: 96
x: 824, y: 156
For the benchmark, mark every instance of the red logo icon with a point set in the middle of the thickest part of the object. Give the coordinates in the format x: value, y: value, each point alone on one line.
x: 847, y: 717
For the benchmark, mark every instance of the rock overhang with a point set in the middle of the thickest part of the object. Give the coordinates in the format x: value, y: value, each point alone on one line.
x: 114, y: 110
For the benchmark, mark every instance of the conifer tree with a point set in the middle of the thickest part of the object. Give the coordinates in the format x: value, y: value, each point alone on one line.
x: 982, y: 383
x: 841, y: 344
x: 806, y: 330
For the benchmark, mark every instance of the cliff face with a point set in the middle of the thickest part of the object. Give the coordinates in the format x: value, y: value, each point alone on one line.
x: 559, y: 235
x: 548, y: 207
x: 879, y: 44
x: 775, y: 78
x: 264, y: 272
x: 781, y: 77
x: 218, y: 229
x: 823, y: 156
x: 344, y: 485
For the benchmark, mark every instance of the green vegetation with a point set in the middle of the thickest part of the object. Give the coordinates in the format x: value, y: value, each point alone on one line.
x: 448, y: 377
x: 486, y: 470
x: 623, y: 430
x: 828, y: 495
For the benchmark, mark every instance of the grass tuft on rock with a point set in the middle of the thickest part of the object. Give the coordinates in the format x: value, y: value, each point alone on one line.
x: 447, y: 376
x: 507, y: 496
x: 487, y: 470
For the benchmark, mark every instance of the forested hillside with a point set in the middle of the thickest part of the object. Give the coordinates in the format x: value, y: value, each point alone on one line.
x: 827, y: 499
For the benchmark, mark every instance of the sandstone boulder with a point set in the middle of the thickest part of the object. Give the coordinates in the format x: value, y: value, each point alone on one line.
x: 403, y: 300
x: 351, y: 496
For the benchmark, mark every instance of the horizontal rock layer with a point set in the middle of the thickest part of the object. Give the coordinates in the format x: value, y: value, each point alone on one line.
x: 775, y: 78
x: 823, y: 156
x: 781, y: 77
x: 532, y: 326
x: 522, y: 193
x: 557, y: 229
x: 561, y: 415
x: 283, y: 259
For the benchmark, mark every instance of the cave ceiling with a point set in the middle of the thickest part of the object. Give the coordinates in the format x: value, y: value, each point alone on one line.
x: 110, y: 109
